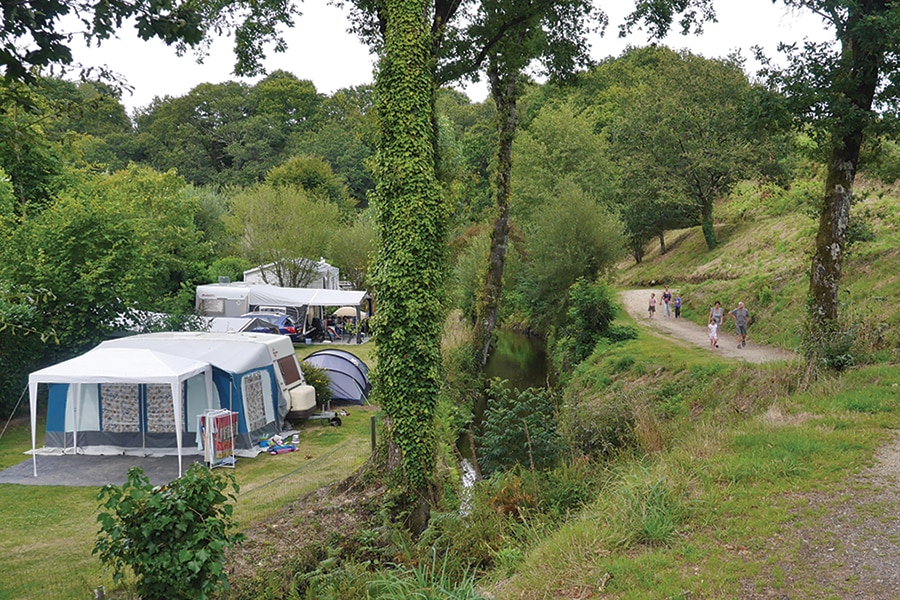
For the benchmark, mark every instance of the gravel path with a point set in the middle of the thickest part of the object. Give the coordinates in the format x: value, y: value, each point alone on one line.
x: 844, y: 543
x: 635, y: 304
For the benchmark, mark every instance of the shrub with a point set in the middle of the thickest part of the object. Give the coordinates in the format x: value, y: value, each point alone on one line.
x: 317, y: 378
x: 600, y: 427
x: 174, y: 537
x: 519, y: 427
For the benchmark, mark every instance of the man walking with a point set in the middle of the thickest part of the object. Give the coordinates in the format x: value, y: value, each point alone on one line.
x: 740, y: 316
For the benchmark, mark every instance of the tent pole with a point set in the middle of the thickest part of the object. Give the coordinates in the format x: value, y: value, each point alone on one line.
x: 176, y: 409
x: 32, y: 401
x: 76, y: 410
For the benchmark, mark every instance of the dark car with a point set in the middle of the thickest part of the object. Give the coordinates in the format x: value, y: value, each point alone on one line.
x: 284, y: 323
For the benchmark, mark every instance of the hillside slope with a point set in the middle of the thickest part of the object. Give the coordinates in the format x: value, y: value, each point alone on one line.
x: 749, y: 480
x: 763, y: 259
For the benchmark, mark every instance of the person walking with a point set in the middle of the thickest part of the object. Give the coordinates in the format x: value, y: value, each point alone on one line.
x: 676, y: 304
x: 713, y: 334
x: 740, y: 316
x: 666, y: 299
x: 651, y: 309
x: 717, y: 313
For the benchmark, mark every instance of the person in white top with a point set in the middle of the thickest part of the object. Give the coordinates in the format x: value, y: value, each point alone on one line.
x: 713, y: 334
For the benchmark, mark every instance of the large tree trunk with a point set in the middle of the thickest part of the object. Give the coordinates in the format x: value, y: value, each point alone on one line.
x: 410, y: 271
x: 861, y: 63
x: 825, y: 274
x: 503, y: 91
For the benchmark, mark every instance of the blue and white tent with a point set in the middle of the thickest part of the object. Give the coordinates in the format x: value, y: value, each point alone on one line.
x: 146, y: 391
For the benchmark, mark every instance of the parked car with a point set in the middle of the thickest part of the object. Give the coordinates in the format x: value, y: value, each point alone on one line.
x: 284, y: 323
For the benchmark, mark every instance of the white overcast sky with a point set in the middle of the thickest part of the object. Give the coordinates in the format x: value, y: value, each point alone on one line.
x: 321, y: 50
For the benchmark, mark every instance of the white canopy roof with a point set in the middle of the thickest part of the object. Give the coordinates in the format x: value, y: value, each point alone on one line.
x: 272, y: 295
x: 122, y: 365
x: 218, y: 349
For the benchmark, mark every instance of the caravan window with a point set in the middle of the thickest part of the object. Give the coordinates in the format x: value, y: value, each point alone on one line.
x: 212, y: 307
x: 289, y: 370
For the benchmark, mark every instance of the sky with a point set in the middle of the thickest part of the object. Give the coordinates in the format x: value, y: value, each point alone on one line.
x: 321, y: 50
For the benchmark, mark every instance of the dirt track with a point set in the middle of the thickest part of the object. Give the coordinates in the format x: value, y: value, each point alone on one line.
x: 635, y: 303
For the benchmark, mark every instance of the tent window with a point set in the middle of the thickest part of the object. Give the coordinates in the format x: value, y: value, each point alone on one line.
x: 121, y: 407
x: 160, y: 416
x: 289, y: 370
x: 254, y: 401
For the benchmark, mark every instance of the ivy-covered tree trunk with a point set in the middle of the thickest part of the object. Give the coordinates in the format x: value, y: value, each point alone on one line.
x: 503, y: 91
x: 409, y: 273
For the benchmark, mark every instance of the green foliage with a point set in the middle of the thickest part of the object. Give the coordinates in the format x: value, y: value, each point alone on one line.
x: 120, y: 241
x: 313, y: 175
x: 591, y: 309
x: 411, y: 265
x: 32, y: 157
x: 352, y: 250
x: 430, y: 579
x: 285, y: 226
x: 23, y: 337
x: 560, y: 144
x: 684, y: 138
x: 232, y: 267
x: 518, y: 428
x: 600, y: 427
x: 38, y: 37
x: 173, y: 538
x: 317, y: 378
x: 571, y: 238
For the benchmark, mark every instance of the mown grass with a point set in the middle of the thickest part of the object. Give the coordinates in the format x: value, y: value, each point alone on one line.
x: 46, y: 533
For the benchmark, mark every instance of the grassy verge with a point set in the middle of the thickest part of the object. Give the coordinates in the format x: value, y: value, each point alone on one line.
x: 46, y: 533
x: 713, y: 507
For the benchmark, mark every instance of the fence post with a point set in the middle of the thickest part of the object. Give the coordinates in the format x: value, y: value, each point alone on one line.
x: 372, y: 429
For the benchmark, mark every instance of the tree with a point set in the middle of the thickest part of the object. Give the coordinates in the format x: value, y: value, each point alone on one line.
x: 344, y: 135
x: 315, y: 176
x: 31, y: 152
x: 410, y: 269
x: 34, y: 35
x: 504, y: 37
x: 286, y: 227
x: 212, y: 135
x: 119, y: 242
x: 573, y: 237
x: 352, y: 249
x: 681, y: 138
x: 842, y: 91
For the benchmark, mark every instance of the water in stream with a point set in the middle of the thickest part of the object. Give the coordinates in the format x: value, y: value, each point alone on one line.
x: 519, y: 358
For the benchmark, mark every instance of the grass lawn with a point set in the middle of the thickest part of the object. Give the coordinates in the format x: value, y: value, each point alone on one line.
x: 46, y: 533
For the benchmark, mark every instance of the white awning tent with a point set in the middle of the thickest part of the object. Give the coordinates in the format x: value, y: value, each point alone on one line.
x: 272, y: 295
x: 123, y: 366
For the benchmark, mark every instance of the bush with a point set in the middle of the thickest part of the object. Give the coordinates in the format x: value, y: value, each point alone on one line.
x: 600, y: 427
x: 174, y: 537
x: 518, y: 429
x: 317, y: 378
x: 24, y: 343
